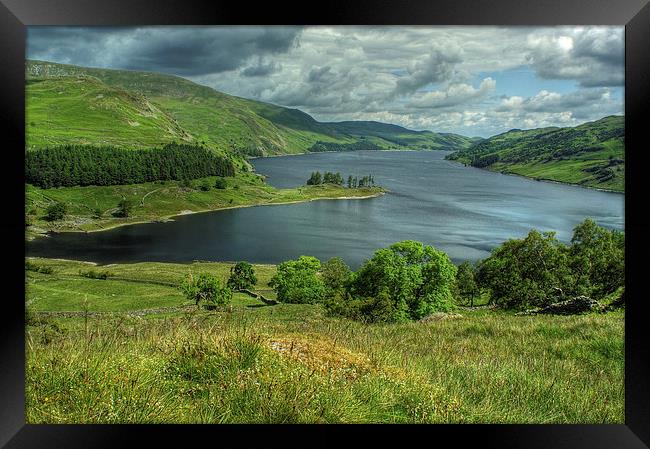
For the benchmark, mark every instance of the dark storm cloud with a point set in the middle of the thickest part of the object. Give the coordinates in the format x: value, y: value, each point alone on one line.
x: 189, y: 51
x: 261, y: 69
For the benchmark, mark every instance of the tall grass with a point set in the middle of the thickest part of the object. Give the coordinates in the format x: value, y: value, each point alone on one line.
x: 283, y: 364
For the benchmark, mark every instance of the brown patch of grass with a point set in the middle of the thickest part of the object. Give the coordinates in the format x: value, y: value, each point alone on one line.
x: 323, y: 355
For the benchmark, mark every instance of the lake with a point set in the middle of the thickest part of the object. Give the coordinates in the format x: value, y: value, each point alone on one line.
x: 463, y: 211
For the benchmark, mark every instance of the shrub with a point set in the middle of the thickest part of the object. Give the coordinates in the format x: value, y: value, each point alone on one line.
x: 92, y: 274
x: 220, y: 183
x: 206, y: 290
x: 465, y: 286
x: 242, y: 275
x: 336, y: 276
x: 31, y: 266
x: 124, y: 208
x: 296, y: 281
x: 56, y: 211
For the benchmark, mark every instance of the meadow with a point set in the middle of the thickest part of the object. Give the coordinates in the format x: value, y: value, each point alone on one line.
x: 131, y: 348
x: 92, y: 208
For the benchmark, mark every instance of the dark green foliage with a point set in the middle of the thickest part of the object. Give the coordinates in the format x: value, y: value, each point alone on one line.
x: 56, y: 211
x: 335, y: 178
x: 92, y: 274
x: 332, y: 178
x: 484, y: 161
x: 206, y: 290
x: 296, y: 281
x: 31, y: 266
x: 378, y: 309
x: 539, y: 270
x: 597, y: 258
x: 220, y: 183
x: 336, y: 276
x: 529, y: 272
x: 332, y: 146
x: 80, y: 165
x: 465, y: 287
x: 242, y: 276
x: 124, y: 208
x: 315, y: 179
x: 415, y: 279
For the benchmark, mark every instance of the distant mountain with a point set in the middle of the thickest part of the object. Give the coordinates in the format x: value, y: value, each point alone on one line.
x: 72, y: 104
x: 591, y: 154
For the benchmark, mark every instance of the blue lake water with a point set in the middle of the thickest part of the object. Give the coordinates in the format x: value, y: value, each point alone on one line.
x: 463, y: 211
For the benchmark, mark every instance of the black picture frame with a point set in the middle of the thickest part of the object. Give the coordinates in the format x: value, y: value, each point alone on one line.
x: 15, y: 15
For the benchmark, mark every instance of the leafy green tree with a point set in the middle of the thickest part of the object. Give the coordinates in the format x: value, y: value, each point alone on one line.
x: 220, y: 183
x: 416, y: 278
x: 242, y: 276
x: 124, y: 208
x: 335, y: 275
x: 466, y: 288
x: 597, y: 259
x: 56, y: 211
x: 296, y: 281
x: 315, y: 179
x: 529, y: 272
x: 205, y: 186
x: 349, y: 181
x: 205, y: 289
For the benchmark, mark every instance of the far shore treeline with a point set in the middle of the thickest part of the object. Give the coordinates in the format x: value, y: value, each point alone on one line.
x: 84, y: 165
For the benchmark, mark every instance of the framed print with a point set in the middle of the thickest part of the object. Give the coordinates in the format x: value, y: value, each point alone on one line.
x: 426, y: 216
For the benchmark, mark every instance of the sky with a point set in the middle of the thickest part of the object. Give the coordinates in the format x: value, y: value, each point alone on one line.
x: 475, y: 81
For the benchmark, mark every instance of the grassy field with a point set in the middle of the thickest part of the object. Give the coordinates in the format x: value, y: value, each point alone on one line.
x: 160, y: 200
x: 293, y: 363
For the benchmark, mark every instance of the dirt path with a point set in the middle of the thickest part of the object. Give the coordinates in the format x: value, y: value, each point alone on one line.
x: 146, y: 195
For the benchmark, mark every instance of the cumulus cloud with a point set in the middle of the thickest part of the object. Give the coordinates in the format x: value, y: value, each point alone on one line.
x: 454, y: 95
x: 437, y: 67
x: 592, y: 56
x: 447, y: 79
x: 583, y: 103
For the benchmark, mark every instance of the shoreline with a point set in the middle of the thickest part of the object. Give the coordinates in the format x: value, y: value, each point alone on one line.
x: 600, y: 189
x: 334, y: 151
x: 168, y: 218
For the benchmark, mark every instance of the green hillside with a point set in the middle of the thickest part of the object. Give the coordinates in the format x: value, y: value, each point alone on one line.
x: 591, y: 154
x: 397, y: 136
x: 83, y: 110
x: 198, y: 112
